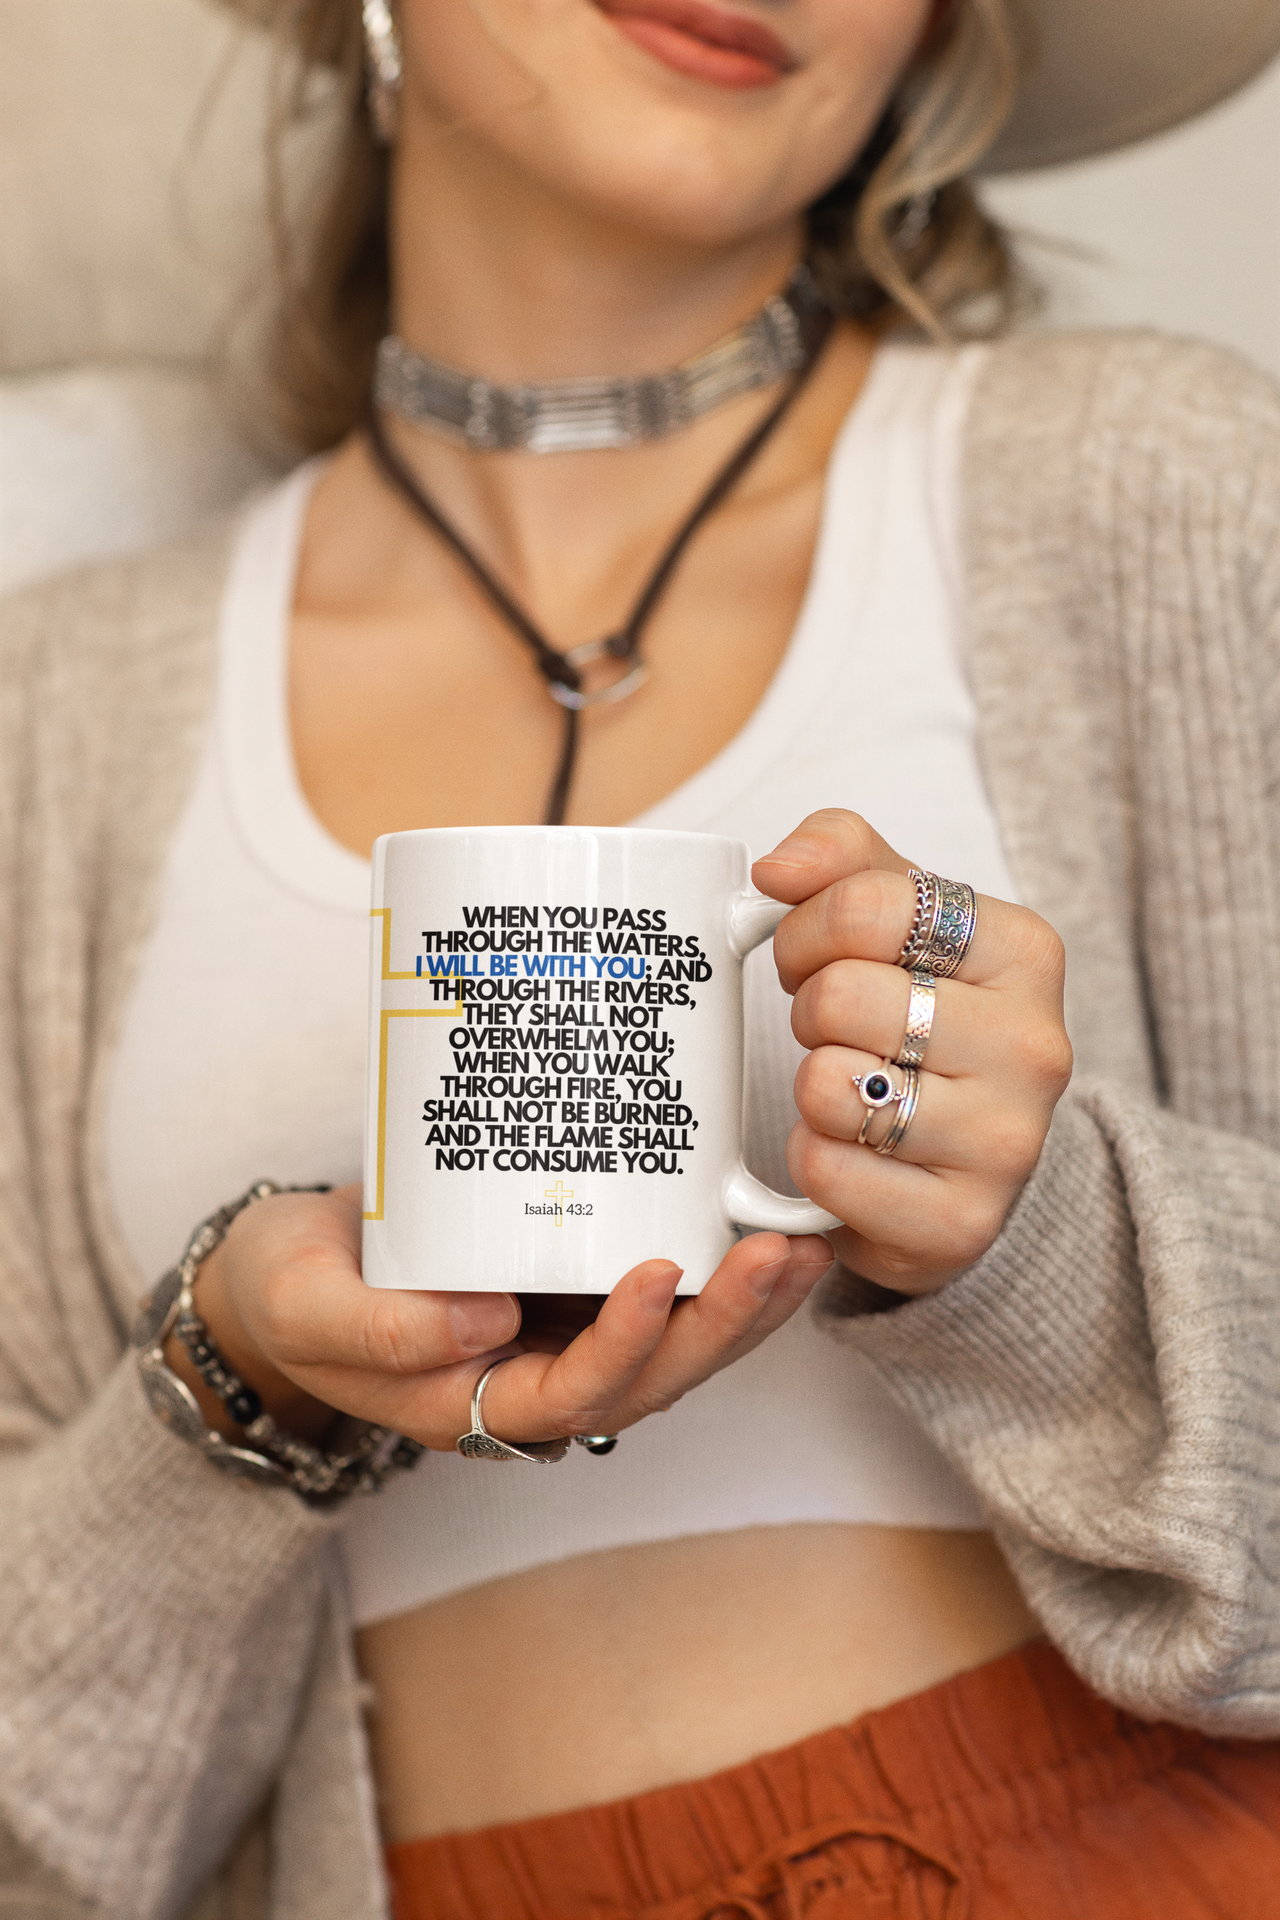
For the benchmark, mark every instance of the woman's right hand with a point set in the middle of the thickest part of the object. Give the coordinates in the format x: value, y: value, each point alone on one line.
x: 285, y: 1304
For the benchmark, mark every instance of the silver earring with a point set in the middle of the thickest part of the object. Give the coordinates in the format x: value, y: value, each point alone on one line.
x: 914, y: 224
x: 383, y: 69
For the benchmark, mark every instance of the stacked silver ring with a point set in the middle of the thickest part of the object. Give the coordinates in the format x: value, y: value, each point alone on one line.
x: 877, y: 1092
x: 920, y: 1011
x: 942, y: 930
x: 940, y: 936
x: 906, y: 1110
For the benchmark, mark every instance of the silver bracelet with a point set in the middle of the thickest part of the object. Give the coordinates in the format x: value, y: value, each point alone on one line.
x: 277, y: 1458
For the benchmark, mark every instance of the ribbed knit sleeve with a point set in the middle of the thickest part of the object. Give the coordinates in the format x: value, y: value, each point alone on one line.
x: 160, y: 1623
x: 1108, y: 1376
x: 164, y: 1627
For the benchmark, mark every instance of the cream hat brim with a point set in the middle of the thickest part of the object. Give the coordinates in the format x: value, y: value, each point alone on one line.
x: 1104, y: 73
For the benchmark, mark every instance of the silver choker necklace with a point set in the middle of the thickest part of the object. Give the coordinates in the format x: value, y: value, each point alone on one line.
x: 566, y: 416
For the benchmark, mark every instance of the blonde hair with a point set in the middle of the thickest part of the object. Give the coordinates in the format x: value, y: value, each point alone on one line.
x: 902, y: 238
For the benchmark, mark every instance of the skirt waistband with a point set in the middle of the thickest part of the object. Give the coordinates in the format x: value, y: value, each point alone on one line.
x: 885, y: 1816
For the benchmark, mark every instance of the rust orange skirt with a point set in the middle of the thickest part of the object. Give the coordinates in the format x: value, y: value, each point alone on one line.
x: 1008, y: 1793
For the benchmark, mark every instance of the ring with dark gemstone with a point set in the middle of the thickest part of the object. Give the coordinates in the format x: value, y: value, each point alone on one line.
x: 875, y: 1090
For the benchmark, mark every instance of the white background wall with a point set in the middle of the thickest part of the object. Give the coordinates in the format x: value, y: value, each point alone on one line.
x: 1182, y: 232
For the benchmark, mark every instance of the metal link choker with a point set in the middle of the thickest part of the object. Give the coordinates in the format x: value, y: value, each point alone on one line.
x: 567, y: 416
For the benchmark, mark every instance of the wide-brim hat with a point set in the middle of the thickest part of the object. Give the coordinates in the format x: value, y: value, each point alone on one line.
x: 1104, y: 73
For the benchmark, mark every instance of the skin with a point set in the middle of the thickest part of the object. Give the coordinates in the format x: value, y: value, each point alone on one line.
x: 565, y: 203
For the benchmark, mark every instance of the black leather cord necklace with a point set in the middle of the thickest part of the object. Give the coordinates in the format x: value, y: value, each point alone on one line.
x: 563, y: 671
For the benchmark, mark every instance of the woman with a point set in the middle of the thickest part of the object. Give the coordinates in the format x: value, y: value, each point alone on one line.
x: 1017, y: 607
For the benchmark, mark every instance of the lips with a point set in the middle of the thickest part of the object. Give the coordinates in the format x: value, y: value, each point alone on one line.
x: 705, y: 42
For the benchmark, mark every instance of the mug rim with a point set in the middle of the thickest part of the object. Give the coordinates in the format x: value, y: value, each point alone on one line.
x: 569, y: 832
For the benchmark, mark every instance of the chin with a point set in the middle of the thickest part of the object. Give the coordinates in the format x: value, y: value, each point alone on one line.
x: 558, y: 94
x: 664, y: 171
x: 686, y: 195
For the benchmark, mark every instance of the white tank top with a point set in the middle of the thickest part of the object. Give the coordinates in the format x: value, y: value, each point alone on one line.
x: 242, y: 1047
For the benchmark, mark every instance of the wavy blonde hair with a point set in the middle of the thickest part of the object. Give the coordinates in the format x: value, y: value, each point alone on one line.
x: 902, y: 238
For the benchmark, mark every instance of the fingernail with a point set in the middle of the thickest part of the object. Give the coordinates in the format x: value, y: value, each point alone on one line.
x: 805, y: 1275
x: 765, y: 1279
x: 479, y: 1321
x: 658, y: 1289
x: 791, y: 852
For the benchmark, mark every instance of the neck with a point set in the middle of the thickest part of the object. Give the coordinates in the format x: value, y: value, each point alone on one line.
x: 496, y: 277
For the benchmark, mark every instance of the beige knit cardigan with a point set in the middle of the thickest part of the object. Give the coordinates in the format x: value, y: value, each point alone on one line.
x: 174, y: 1653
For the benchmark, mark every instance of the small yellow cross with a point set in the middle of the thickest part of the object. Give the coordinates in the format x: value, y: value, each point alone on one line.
x: 559, y: 1193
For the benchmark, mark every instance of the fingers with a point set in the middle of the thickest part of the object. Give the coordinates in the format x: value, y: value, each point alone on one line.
x: 536, y: 1396
x: 539, y: 1395
x: 996, y: 1063
x: 1015, y: 1035
x: 854, y: 899
x: 869, y: 916
x: 757, y: 1287
x: 962, y: 1126
x: 908, y: 1227
x: 293, y: 1270
x: 616, y: 1372
x: 590, y: 1380
x: 859, y: 1003
x: 410, y: 1360
x: 826, y: 847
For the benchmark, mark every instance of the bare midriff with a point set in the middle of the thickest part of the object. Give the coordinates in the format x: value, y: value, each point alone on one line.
x: 613, y: 1673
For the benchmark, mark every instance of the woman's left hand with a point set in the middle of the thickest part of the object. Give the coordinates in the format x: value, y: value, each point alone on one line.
x: 997, y: 1061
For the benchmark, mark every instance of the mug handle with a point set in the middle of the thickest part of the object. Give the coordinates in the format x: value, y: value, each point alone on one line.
x: 753, y: 919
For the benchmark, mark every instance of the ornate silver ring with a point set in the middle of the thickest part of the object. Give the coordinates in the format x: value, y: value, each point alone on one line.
x: 480, y: 1444
x: 943, y: 927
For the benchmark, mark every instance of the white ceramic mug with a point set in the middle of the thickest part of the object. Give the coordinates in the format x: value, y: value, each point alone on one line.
x: 555, y: 1058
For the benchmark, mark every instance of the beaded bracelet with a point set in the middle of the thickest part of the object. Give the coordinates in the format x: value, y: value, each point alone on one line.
x: 277, y: 1458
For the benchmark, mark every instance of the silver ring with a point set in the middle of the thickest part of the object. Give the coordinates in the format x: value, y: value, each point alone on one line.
x: 480, y: 1444
x: 916, y: 944
x: 876, y: 1090
x: 920, y: 1010
x: 906, y: 1112
x: 941, y: 933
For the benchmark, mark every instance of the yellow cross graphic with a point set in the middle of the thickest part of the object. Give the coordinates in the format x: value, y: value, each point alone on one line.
x: 388, y: 1015
x: 559, y: 1193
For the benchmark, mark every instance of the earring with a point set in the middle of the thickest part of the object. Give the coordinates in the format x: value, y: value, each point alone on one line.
x: 914, y: 224
x: 383, y: 69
